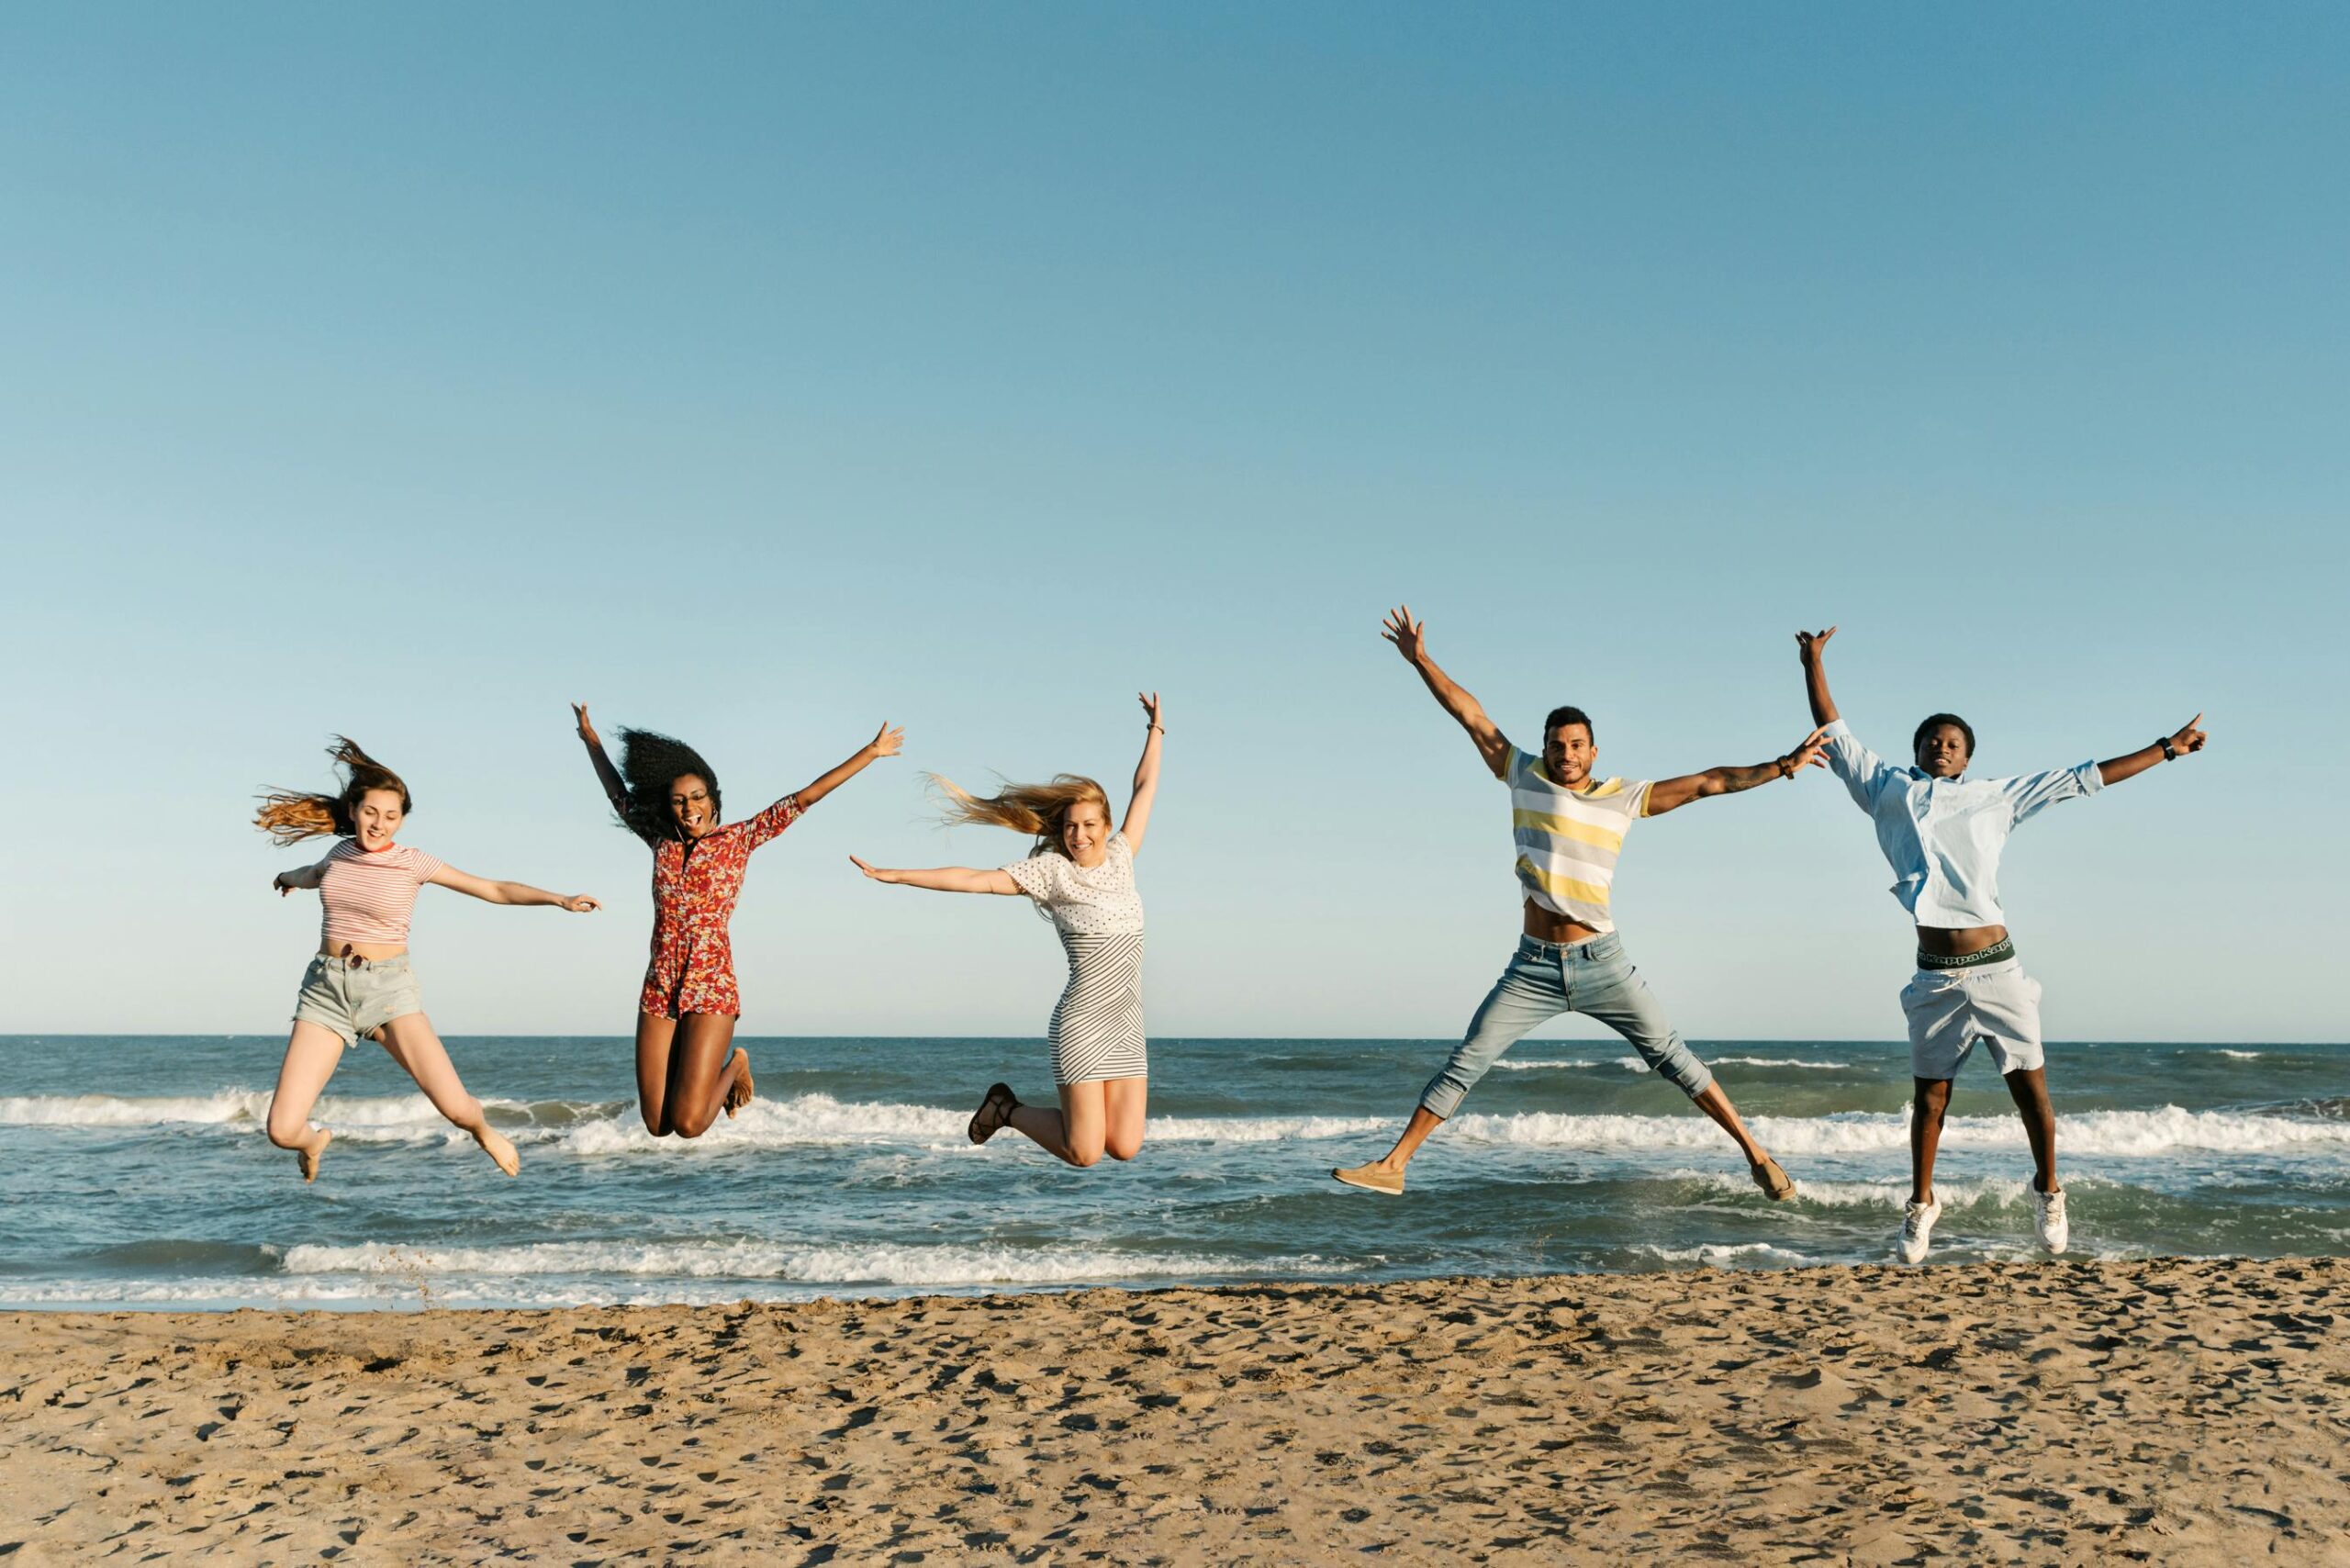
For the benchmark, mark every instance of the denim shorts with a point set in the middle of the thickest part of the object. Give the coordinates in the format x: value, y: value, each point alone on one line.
x: 355, y: 997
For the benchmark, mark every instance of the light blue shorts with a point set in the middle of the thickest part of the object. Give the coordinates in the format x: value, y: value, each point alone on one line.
x: 355, y: 997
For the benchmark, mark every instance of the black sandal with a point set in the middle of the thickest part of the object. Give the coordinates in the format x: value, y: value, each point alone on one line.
x: 994, y: 1113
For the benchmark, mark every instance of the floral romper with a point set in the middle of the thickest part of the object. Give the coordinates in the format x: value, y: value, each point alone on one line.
x: 694, y: 889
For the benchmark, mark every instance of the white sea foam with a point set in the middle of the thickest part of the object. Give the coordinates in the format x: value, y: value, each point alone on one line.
x: 1991, y: 1193
x: 821, y: 1120
x: 366, y: 1118
x: 1771, y: 1061
x: 1508, y: 1065
x: 1864, y: 1132
x: 2241, y: 1056
x: 846, y: 1264
x: 1721, y: 1253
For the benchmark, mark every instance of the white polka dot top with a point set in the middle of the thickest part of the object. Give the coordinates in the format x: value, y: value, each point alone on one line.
x: 1100, y: 902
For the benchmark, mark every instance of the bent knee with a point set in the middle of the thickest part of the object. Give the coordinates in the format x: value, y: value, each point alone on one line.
x: 1085, y: 1156
x: 287, y: 1135
x: 1123, y: 1148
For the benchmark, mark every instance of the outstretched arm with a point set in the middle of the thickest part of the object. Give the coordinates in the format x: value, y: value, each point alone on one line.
x: 300, y: 877
x: 886, y: 742
x: 1410, y: 638
x: 1814, y: 646
x: 488, y: 891
x: 2188, y: 737
x: 1669, y: 794
x: 943, y: 878
x: 1145, y: 779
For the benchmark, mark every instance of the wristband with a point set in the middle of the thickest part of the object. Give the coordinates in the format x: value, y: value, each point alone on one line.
x: 2170, y: 752
x: 1785, y: 771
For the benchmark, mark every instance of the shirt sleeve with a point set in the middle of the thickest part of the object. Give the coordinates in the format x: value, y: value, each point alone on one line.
x: 2035, y: 792
x: 1041, y: 877
x: 1863, y: 771
x: 1639, y: 804
x: 1519, y: 762
x: 771, y: 821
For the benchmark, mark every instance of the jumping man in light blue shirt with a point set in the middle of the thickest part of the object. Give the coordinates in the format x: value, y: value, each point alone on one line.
x: 1943, y: 833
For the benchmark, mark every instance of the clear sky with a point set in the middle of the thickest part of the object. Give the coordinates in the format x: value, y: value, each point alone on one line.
x: 760, y: 373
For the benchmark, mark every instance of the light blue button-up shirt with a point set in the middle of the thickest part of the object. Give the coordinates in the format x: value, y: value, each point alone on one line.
x: 1943, y: 836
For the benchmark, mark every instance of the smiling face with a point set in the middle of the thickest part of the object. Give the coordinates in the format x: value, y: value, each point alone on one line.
x: 375, y: 819
x: 1085, y: 833
x: 1567, y: 755
x: 1942, y: 750
x: 691, y: 805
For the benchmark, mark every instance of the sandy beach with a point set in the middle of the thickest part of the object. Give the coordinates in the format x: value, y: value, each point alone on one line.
x: 2167, y: 1412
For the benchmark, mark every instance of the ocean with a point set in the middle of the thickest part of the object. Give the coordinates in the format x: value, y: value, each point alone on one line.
x: 134, y: 1172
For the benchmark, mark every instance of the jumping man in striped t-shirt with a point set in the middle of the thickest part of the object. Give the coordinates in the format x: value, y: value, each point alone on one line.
x: 1569, y: 828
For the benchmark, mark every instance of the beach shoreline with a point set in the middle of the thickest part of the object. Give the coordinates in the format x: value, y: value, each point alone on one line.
x: 2167, y: 1411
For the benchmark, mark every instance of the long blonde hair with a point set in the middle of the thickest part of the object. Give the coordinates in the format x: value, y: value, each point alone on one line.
x: 289, y: 816
x: 1039, y: 808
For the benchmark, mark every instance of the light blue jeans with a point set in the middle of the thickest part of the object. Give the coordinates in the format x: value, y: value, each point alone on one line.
x: 1545, y: 980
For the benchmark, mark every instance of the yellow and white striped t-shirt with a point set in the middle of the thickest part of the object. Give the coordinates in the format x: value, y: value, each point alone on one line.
x: 1568, y: 839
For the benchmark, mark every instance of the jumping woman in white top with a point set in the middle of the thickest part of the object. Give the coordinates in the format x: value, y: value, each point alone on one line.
x: 1083, y: 877
x: 359, y: 984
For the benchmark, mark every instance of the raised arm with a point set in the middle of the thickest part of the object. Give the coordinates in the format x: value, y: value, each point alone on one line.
x: 1814, y: 646
x: 1669, y: 794
x: 1145, y: 778
x: 1410, y: 638
x: 520, y: 894
x: 2188, y: 737
x: 943, y: 878
x: 886, y: 742
x: 606, y: 774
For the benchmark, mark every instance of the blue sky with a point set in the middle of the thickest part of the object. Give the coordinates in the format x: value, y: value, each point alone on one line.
x: 758, y: 373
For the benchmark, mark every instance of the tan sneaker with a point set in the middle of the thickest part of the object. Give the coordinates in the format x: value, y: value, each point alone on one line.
x: 1373, y: 1178
x: 1771, y: 1180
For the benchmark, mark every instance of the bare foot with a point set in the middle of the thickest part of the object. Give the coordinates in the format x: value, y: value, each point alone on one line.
x: 312, y: 1156
x: 499, y: 1147
x: 740, y: 1095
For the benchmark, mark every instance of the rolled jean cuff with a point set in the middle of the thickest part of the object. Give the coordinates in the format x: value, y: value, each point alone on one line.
x: 1679, y: 1067
x: 1441, y: 1098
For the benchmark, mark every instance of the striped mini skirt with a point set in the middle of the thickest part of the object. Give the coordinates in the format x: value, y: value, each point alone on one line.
x: 1097, y: 1027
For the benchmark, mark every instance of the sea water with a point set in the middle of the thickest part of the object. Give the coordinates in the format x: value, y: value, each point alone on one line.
x: 134, y: 1171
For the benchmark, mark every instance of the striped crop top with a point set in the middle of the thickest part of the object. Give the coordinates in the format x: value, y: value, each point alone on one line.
x: 368, y: 898
x: 1568, y: 839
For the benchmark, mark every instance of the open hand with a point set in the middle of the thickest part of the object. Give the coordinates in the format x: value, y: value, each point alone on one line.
x: 2190, y: 735
x: 1813, y: 644
x: 587, y: 730
x: 579, y: 903
x: 877, y: 873
x: 1811, y: 753
x: 1150, y: 701
x: 886, y: 742
x: 1409, y: 636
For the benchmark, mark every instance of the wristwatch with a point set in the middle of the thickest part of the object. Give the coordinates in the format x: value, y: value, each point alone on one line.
x: 2170, y: 752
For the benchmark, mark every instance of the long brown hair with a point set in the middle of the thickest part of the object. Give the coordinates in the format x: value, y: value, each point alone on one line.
x: 1039, y: 808
x: 289, y: 816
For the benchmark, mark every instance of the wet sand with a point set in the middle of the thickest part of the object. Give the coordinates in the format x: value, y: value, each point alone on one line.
x: 2166, y: 1411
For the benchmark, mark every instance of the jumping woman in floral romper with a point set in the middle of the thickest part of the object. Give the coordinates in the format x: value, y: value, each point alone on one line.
x: 687, y: 1066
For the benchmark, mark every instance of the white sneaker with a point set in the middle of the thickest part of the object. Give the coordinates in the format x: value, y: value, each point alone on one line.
x: 1918, y: 1229
x: 2049, y: 1219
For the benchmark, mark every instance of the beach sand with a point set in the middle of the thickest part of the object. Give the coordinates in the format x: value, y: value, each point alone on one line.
x: 2167, y: 1412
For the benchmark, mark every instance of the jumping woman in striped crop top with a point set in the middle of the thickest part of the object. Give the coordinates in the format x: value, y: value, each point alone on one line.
x: 360, y: 983
x: 1083, y: 877
x: 687, y: 1066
